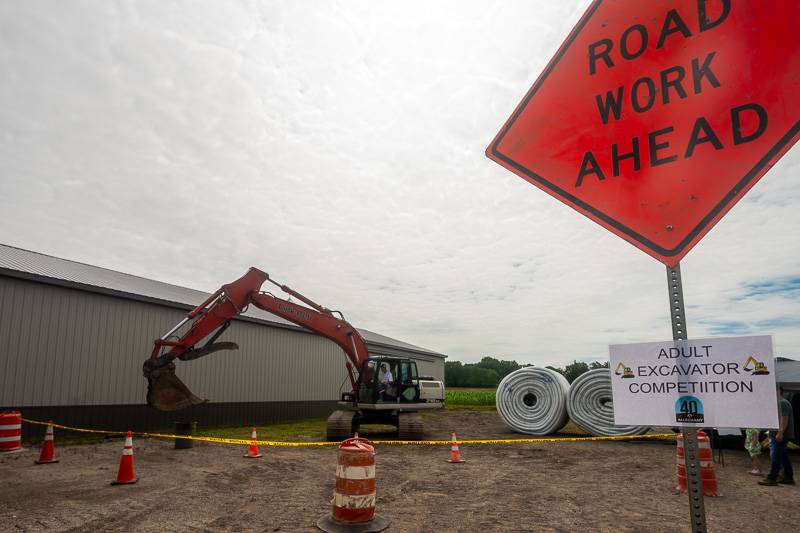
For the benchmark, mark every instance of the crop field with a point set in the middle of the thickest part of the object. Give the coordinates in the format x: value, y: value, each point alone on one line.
x: 466, y: 397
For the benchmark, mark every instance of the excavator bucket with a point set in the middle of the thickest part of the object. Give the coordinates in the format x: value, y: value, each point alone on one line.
x: 166, y: 392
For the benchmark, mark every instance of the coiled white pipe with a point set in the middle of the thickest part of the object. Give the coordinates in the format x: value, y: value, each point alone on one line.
x: 533, y: 400
x: 589, y: 406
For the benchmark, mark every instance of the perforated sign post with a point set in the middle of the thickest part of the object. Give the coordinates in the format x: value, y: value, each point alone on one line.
x: 654, y: 118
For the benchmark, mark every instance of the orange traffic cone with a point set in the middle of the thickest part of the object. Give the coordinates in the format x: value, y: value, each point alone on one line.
x: 126, y: 475
x: 48, y: 454
x: 455, y: 453
x: 252, y: 451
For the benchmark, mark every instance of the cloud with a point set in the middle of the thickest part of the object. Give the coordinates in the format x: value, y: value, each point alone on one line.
x: 339, y: 146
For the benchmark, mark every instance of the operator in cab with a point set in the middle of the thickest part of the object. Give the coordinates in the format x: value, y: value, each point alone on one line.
x: 385, y: 380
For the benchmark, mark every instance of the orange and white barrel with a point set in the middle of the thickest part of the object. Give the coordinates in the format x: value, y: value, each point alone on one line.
x: 354, y: 496
x: 680, y: 465
x: 706, y: 459
x: 10, y: 431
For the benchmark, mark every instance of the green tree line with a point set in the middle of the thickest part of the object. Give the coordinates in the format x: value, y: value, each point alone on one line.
x: 489, y: 371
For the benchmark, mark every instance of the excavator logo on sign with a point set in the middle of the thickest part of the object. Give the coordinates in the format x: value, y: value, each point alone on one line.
x: 624, y: 371
x: 758, y: 368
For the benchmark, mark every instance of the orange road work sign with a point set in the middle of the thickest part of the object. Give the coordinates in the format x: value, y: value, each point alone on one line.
x: 654, y: 118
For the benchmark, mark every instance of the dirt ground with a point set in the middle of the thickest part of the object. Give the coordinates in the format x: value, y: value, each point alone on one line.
x: 588, y: 486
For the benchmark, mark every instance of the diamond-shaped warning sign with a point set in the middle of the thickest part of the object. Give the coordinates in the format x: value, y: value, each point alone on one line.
x: 654, y: 118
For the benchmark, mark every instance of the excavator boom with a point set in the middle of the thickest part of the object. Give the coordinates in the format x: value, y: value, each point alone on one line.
x: 166, y: 392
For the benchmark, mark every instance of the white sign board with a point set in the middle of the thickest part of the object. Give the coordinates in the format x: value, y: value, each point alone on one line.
x: 727, y: 381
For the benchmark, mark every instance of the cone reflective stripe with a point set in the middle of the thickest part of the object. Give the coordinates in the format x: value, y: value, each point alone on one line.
x: 455, y: 453
x: 126, y: 474
x: 48, y: 453
x: 252, y: 451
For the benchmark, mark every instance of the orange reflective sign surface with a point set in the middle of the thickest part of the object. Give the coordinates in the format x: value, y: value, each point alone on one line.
x: 654, y: 118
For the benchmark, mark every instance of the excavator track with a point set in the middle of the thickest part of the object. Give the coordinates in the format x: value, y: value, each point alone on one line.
x: 340, y: 426
x: 410, y: 426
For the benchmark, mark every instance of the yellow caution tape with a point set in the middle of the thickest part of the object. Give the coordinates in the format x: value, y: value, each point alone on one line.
x: 247, y: 442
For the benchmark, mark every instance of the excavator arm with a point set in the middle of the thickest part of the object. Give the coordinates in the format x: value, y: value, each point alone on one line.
x: 166, y: 392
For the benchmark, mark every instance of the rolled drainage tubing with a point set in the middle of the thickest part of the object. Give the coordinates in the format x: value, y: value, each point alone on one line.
x: 533, y: 400
x: 589, y: 406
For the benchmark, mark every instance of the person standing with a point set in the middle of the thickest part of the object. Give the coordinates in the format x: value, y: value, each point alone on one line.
x: 778, y: 451
x: 753, y: 446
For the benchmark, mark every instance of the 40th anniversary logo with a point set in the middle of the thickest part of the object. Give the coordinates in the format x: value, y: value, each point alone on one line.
x: 709, y: 381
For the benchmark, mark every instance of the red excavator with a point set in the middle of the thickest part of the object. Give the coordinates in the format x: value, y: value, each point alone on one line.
x: 384, y: 390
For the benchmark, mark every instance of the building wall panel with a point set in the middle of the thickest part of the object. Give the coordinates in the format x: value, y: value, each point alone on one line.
x: 61, y: 346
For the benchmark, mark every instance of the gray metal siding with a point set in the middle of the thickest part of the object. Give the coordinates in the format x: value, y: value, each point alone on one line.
x: 61, y: 346
x: 33, y: 266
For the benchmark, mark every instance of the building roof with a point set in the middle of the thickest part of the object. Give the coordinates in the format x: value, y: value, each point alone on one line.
x: 25, y: 264
x: 787, y: 371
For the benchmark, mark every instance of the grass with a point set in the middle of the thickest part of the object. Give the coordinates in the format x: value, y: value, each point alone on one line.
x: 65, y: 437
x: 312, y: 429
x: 456, y: 398
x: 472, y: 399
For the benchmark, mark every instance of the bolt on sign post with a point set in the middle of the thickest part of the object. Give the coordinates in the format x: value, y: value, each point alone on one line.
x: 654, y: 118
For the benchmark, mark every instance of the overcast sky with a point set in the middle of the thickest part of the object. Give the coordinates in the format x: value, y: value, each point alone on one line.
x: 340, y: 147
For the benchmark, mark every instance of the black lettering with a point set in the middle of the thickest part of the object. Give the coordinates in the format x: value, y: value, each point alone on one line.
x: 673, y: 23
x: 736, y: 122
x: 701, y: 125
x: 603, y: 54
x: 746, y: 386
x: 610, y: 105
x: 733, y: 368
x: 698, y: 73
x: 651, y: 94
x: 616, y: 157
x: 675, y: 83
x: 623, y: 42
x: 705, y: 22
x: 655, y: 146
x: 589, y: 166
x: 662, y: 353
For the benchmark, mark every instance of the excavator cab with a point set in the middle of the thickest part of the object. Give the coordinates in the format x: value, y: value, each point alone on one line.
x: 388, y: 380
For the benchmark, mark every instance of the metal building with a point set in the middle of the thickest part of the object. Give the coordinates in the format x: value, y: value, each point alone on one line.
x: 73, y: 338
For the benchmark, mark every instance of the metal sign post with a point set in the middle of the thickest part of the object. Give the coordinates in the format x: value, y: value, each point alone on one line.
x: 697, y: 508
